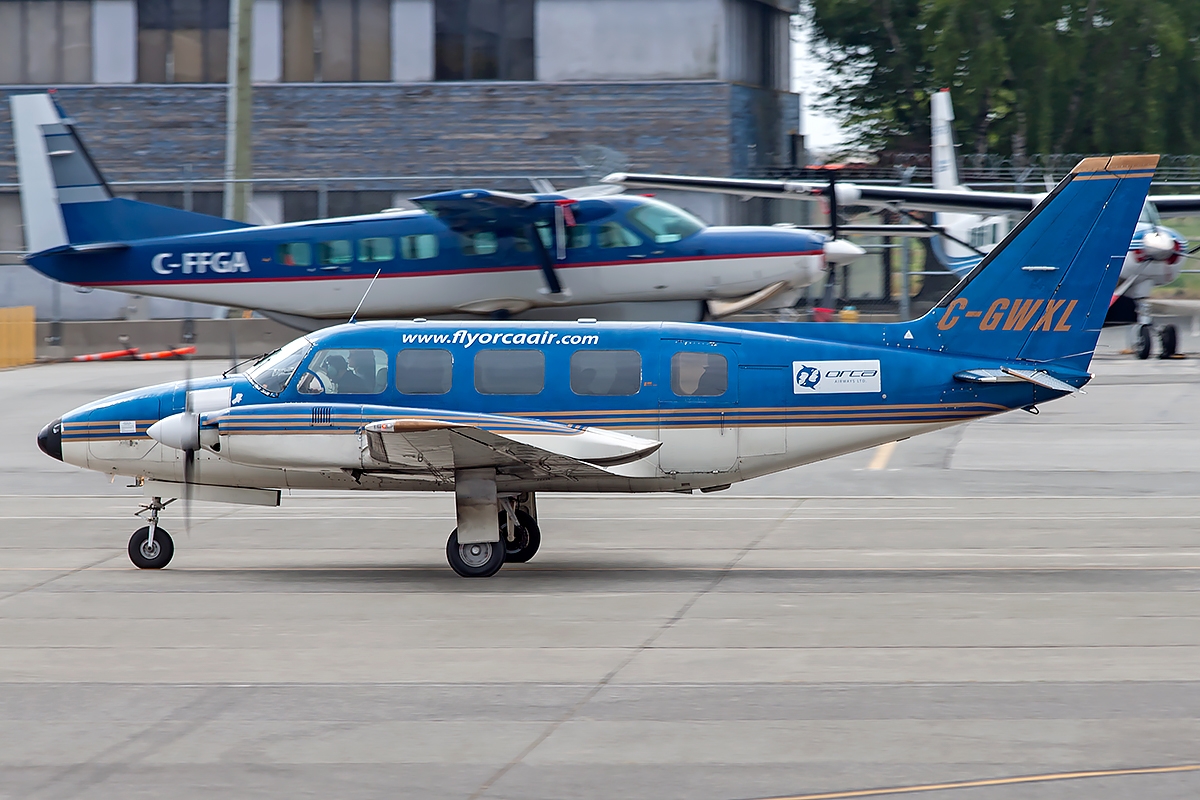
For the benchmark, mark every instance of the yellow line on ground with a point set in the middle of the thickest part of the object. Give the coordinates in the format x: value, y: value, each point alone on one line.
x: 1051, y: 776
x: 883, y: 454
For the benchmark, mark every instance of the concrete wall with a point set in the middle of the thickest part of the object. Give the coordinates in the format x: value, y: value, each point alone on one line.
x: 161, y: 132
x: 580, y: 40
x: 223, y: 338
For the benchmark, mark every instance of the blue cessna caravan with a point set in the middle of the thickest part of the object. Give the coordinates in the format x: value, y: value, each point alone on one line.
x: 498, y: 411
x: 467, y: 252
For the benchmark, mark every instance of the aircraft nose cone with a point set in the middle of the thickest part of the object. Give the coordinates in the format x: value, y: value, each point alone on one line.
x: 49, y: 439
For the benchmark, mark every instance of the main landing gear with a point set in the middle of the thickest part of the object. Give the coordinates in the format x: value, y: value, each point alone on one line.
x: 1143, y: 340
x: 517, y: 541
x: 151, y: 547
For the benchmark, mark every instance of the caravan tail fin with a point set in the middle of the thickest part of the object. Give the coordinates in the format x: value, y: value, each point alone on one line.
x: 1042, y: 294
x: 64, y: 198
x: 945, y: 162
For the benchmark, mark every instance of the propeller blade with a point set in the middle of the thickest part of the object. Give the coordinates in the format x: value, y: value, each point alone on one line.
x: 189, y: 455
x: 552, y: 283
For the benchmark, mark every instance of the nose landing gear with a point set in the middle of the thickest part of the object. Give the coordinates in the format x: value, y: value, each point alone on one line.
x: 151, y: 547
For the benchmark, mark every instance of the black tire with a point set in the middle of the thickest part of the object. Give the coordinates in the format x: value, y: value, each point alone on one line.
x: 481, y: 560
x: 526, y: 542
x: 147, y: 558
x: 1169, y: 339
x: 1142, y: 348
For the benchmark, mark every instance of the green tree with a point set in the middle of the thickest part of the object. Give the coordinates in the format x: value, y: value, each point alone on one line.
x: 1026, y: 75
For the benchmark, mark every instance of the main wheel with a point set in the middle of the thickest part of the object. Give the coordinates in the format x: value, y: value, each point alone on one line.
x: 476, y: 560
x: 526, y: 541
x: 1169, y: 338
x: 1142, y: 348
x: 150, y: 555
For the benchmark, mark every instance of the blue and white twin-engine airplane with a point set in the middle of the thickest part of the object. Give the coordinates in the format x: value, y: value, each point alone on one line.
x: 499, y: 411
x: 463, y: 252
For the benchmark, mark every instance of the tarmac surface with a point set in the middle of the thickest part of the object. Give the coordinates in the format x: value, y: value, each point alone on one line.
x: 1015, y: 597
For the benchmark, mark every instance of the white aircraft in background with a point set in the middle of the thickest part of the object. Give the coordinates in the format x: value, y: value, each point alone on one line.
x: 970, y: 223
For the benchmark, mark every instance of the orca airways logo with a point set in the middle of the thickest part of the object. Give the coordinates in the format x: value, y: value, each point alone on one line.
x: 200, y: 263
x: 835, y: 377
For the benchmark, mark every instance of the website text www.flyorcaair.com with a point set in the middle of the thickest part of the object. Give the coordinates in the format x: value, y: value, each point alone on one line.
x: 466, y: 339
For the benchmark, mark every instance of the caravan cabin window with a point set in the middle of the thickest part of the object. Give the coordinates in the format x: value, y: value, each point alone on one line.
x: 421, y: 371
x: 510, y: 371
x: 294, y: 254
x: 606, y: 373
x: 699, y: 374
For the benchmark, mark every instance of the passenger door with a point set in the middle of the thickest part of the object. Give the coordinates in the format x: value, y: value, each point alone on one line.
x: 698, y: 400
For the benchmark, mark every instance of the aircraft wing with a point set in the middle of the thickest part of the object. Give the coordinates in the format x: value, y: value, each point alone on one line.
x: 908, y: 197
x: 471, y: 210
x: 1171, y: 204
x: 535, y: 450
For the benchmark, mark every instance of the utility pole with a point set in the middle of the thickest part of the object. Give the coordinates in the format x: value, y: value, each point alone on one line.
x: 239, y: 111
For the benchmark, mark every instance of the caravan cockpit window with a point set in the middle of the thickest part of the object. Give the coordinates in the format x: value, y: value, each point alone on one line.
x: 664, y: 223
x: 614, y: 234
x: 272, y: 374
x: 357, y: 370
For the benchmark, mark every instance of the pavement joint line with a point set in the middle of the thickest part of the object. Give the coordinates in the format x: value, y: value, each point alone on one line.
x: 68, y: 573
x: 644, y: 646
x: 1020, y: 779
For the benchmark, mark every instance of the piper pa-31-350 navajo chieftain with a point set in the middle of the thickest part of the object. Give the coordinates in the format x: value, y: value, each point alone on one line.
x: 467, y: 252
x: 496, y: 412
x: 971, y: 222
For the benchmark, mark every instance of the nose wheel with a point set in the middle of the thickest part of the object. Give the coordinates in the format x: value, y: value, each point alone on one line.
x: 151, y: 547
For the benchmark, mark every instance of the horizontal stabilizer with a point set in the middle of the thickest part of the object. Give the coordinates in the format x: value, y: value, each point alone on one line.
x: 1008, y: 375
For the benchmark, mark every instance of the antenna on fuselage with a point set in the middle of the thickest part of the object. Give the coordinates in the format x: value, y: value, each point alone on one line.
x: 354, y: 316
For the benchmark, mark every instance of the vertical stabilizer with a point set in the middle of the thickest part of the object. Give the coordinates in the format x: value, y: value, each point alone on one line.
x: 945, y: 164
x: 44, y: 226
x: 1042, y: 294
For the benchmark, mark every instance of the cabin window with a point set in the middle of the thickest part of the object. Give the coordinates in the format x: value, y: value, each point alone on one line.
x: 510, y: 371
x: 375, y: 249
x: 699, y: 374
x: 613, y: 234
x: 577, y: 236
x: 345, y: 371
x: 421, y: 371
x: 664, y: 223
x: 335, y: 253
x: 419, y: 246
x: 294, y: 254
x: 480, y: 243
x: 606, y: 373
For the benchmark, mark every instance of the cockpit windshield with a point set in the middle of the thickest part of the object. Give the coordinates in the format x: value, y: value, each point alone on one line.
x: 272, y: 374
x: 663, y: 222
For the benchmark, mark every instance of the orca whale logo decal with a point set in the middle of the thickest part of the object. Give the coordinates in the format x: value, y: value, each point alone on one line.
x: 835, y: 377
x: 807, y: 377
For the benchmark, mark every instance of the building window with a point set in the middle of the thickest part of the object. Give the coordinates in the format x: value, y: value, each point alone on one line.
x: 337, y: 40
x: 479, y: 40
x: 45, y: 41
x: 183, y: 41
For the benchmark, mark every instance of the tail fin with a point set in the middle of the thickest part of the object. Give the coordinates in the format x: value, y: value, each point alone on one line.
x: 945, y: 164
x: 1042, y: 294
x: 64, y: 198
